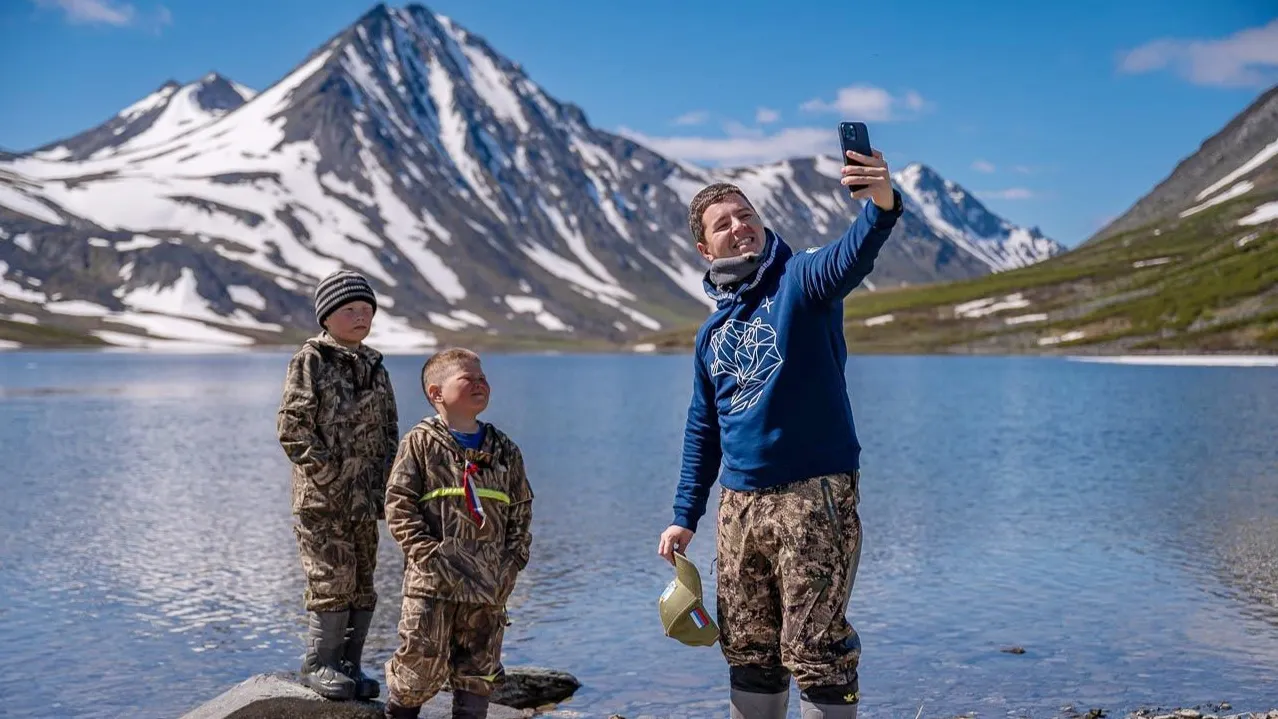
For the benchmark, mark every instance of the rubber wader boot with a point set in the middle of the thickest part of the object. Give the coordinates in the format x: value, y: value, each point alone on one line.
x: 320, y: 669
x: 365, y: 686
x: 469, y: 706
x: 827, y: 711
x: 395, y: 711
x: 752, y: 705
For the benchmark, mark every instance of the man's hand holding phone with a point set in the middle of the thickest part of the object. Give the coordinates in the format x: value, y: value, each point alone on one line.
x: 873, y: 173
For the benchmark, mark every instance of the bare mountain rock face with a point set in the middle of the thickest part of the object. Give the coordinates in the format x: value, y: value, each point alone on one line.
x: 1236, y: 161
x: 482, y: 209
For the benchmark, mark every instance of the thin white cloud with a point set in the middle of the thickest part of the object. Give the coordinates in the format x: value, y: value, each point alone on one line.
x: 755, y: 147
x: 108, y: 12
x: 1247, y: 58
x: 983, y: 166
x: 93, y: 12
x: 696, y: 117
x: 868, y: 103
x: 1011, y: 193
x: 766, y: 115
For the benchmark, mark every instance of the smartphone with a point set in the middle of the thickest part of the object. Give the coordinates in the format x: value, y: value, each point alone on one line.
x: 854, y: 136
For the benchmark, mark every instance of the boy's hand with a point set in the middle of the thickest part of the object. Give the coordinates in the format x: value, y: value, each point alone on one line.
x: 674, y: 539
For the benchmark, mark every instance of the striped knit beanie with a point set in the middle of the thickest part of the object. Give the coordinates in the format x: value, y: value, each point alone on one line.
x: 339, y: 288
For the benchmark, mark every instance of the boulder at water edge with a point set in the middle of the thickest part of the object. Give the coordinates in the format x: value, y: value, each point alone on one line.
x: 534, y: 687
x: 279, y: 696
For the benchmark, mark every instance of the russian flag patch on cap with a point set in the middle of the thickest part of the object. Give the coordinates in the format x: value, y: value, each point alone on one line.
x: 699, y: 617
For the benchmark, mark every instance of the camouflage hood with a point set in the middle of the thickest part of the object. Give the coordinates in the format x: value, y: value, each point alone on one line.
x: 326, y: 345
x: 490, y: 451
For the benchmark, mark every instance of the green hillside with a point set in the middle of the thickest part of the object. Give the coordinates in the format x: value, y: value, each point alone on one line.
x: 1199, y: 284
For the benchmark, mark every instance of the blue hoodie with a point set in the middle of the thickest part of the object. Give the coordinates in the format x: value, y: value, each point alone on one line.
x: 769, y: 398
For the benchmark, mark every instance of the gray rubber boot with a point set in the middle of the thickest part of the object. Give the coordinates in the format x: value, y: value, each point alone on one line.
x: 811, y: 710
x: 365, y: 686
x: 469, y: 706
x: 751, y: 705
x: 320, y: 668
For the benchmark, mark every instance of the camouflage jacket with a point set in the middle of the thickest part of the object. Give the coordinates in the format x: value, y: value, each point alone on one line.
x: 448, y: 555
x: 339, y: 426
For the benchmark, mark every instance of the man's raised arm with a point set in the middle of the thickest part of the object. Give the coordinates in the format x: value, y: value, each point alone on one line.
x: 830, y: 273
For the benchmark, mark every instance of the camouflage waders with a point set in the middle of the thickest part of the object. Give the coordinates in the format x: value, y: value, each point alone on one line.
x: 443, y: 642
x: 787, y: 560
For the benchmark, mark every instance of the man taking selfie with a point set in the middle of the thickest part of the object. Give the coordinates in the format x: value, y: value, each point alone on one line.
x: 770, y: 404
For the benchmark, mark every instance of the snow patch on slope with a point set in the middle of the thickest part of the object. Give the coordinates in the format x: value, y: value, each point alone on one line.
x: 535, y: 307
x: 1264, y: 213
x: 1259, y: 159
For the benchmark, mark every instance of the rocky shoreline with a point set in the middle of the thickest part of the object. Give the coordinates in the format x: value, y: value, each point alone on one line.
x: 532, y: 691
x: 1069, y: 712
x: 526, y: 692
x: 1216, y: 711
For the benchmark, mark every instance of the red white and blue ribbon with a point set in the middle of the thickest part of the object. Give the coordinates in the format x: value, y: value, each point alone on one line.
x: 473, y: 505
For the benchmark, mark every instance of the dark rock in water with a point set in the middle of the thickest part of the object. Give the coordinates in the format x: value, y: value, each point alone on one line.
x: 279, y: 696
x: 533, y: 687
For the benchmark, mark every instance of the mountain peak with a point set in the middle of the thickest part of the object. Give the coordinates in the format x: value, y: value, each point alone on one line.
x: 216, y: 94
x: 954, y: 212
x: 407, y: 148
x: 1237, y: 161
x: 169, y: 111
x: 920, y: 172
x: 918, y: 177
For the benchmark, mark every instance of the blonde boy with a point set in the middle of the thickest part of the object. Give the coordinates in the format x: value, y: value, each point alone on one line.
x: 459, y: 505
x: 338, y: 425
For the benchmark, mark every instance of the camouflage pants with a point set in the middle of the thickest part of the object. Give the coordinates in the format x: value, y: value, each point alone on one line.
x: 339, y: 556
x: 787, y: 562
x: 440, y: 642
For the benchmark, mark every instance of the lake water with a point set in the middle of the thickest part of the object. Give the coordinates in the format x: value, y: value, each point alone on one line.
x: 1120, y: 523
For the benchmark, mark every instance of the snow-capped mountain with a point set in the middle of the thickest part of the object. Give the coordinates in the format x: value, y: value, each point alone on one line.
x: 169, y: 112
x: 406, y: 148
x: 957, y: 216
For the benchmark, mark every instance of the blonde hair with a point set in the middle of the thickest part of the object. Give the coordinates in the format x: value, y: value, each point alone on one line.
x: 441, y: 364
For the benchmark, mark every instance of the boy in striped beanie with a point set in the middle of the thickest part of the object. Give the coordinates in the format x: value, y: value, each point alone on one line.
x: 339, y: 427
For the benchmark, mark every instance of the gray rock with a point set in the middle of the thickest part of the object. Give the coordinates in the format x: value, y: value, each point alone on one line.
x: 279, y: 696
x: 533, y: 687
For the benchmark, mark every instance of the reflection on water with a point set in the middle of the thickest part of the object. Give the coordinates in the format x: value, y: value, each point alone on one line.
x: 1120, y: 523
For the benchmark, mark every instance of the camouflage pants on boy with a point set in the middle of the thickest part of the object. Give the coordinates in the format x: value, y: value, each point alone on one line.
x: 787, y: 560
x: 457, y: 643
x: 339, y: 556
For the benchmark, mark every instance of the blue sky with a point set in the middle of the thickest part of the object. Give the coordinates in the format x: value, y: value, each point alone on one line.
x: 1054, y: 114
